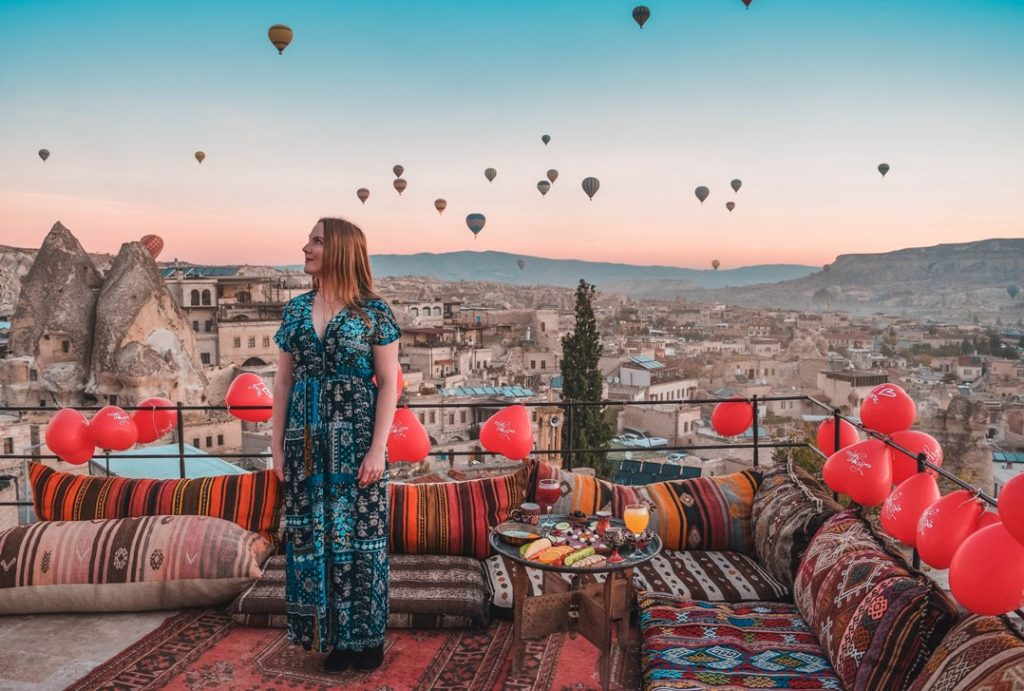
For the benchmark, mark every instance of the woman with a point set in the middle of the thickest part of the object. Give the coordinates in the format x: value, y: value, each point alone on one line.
x: 330, y: 433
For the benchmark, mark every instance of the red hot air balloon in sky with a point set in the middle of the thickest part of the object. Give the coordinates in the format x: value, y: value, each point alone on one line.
x: 154, y: 244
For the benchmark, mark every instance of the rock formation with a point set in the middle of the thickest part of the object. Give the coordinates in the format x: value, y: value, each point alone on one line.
x: 54, y: 318
x: 143, y: 345
x: 961, y: 430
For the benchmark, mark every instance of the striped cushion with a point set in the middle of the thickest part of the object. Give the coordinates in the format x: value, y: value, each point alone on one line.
x: 452, y: 518
x: 978, y: 654
x: 249, y: 500
x: 425, y: 592
x: 126, y: 564
x: 706, y: 513
x: 580, y: 491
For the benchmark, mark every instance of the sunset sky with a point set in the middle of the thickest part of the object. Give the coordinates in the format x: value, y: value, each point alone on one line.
x: 801, y: 99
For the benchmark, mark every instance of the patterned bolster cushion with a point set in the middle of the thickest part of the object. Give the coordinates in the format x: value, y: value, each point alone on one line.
x: 426, y: 591
x: 248, y: 500
x: 452, y: 518
x: 580, y: 491
x: 789, y: 508
x: 126, y: 564
x: 706, y: 513
x: 979, y: 654
x: 877, y: 619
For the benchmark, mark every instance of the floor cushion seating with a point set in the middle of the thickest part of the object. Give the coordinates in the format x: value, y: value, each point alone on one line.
x: 693, y: 574
x: 754, y: 645
x: 426, y: 591
x: 978, y: 654
x: 126, y: 564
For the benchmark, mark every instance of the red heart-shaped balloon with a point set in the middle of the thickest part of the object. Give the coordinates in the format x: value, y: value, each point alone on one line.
x: 848, y: 435
x: 863, y: 471
x: 249, y: 389
x: 730, y: 419
x: 408, y: 441
x: 112, y: 429
x: 154, y: 418
x: 903, y: 466
x: 1011, y: 506
x: 904, y: 506
x: 68, y: 434
x: 988, y: 518
x: 945, y: 525
x: 887, y: 408
x: 508, y: 432
x: 987, y: 572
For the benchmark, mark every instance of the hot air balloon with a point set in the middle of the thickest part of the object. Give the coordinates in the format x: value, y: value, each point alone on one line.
x: 641, y: 13
x: 44, y: 154
x: 440, y: 205
x: 715, y: 264
x: 363, y: 194
x: 590, y: 186
x: 736, y: 185
x: 400, y: 185
x: 153, y: 244
x: 702, y: 193
x: 883, y: 168
x: 521, y: 263
x: 1013, y: 290
x: 543, y: 186
x: 398, y: 170
x: 280, y: 35
x: 200, y: 156
x: 746, y: 3
x: 730, y: 206
x: 545, y: 138
x: 490, y: 174
x: 476, y: 222
x: 552, y: 175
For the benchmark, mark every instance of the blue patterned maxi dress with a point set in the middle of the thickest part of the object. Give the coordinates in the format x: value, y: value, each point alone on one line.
x: 336, y: 532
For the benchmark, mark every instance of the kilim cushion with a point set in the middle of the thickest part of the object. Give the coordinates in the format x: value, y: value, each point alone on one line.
x: 978, y: 654
x: 452, y: 518
x: 788, y: 509
x: 705, y: 513
x: 249, y: 500
x: 893, y: 631
x: 692, y: 574
x: 426, y: 591
x: 703, y: 645
x: 580, y: 491
x: 126, y: 564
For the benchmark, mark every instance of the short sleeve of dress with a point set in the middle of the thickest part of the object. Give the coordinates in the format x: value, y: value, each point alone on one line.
x: 386, y: 329
x: 289, y: 320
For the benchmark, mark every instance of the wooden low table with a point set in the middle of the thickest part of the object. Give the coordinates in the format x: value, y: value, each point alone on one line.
x: 591, y: 610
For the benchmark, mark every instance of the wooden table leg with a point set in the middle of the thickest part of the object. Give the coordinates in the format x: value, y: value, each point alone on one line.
x: 609, y: 609
x: 627, y: 608
x: 520, y: 591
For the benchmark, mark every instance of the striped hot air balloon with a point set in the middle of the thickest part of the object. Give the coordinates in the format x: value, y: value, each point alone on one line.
x: 590, y: 186
x: 400, y: 185
x: 154, y: 244
x: 641, y: 13
x: 490, y: 174
x: 475, y: 222
x: 543, y: 186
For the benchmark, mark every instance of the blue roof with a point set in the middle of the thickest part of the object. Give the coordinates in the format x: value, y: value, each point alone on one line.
x: 645, y: 362
x: 141, y: 463
x: 506, y: 391
x: 1008, y: 457
x: 5, y: 325
x: 200, y: 271
x: 646, y: 472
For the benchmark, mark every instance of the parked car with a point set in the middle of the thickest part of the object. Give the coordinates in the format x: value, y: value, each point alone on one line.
x: 639, y: 442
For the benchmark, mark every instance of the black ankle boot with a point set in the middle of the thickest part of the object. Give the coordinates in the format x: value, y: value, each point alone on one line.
x: 370, y: 658
x: 338, y: 660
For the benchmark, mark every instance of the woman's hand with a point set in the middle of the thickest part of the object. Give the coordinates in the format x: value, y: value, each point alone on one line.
x: 277, y: 455
x: 372, y: 468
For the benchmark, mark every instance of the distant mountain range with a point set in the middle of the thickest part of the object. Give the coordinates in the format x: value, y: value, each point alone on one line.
x: 503, y: 267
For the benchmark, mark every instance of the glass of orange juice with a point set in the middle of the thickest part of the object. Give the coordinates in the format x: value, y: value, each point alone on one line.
x: 636, y: 517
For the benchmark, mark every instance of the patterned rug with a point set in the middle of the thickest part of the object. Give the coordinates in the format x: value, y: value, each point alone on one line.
x: 203, y: 649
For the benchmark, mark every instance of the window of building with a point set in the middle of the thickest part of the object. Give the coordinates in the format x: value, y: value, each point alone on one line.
x: 195, y: 298
x: 252, y: 341
x: 437, y: 311
x: 462, y: 416
x: 65, y: 346
x: 195, y: 325
x: 243, y: 296
x: 42, y: 403
x: 433, y: 418
x: 8, y: 445
x: 543, y: 326
x: 451, y: 418
x: 266, y: 341
x: 423, y: 419
x: 414, y: 311
x: 533, y: 364
x: 195, y: 442
x: 205, y: 358
x: 33, y: 375
x: 237, y: 341
x: 208, y: 326
x: 220, y: 440
x: 112, y: 399
x: 543, y: 364
x: 206, y: 297
x: 209, y: 442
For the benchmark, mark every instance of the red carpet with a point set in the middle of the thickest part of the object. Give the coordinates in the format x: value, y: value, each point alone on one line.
x: 200, y: 650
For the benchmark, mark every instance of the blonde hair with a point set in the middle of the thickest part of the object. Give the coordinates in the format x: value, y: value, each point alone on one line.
x: 345, y: 276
